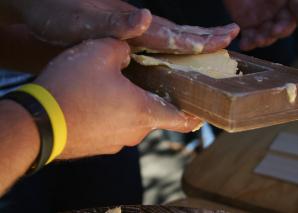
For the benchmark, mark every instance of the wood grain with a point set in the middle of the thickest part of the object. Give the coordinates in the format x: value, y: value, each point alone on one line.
x: 256, y: 99
x: 202, y: 203
x: 225, y: 173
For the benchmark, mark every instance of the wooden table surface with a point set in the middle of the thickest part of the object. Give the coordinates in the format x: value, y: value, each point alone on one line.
x: 224, y: 173
x: 205, y: 204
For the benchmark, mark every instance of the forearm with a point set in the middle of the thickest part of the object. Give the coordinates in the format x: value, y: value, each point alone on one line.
x: 19, y: 143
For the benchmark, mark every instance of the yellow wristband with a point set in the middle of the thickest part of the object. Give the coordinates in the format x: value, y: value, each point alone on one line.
x: 55, y: 114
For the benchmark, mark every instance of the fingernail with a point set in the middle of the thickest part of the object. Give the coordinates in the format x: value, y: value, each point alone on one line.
x: 135, y: 18
x: 232, y: 26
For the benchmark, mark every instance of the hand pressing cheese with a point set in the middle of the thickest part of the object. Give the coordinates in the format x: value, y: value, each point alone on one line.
x: 215, y: 65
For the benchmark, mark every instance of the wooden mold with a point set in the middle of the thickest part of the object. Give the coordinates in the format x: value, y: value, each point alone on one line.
x: 259, y: 98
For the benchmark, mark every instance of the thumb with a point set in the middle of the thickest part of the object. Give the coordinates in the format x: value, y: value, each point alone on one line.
x: 166, y: 116
x: 124, y: 25
x: 114, y: 53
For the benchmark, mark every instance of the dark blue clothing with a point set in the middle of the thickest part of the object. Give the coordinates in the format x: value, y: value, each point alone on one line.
x: 90, y: 182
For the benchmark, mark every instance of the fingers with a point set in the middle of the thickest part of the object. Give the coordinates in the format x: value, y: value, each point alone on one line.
x: 121, y: 25
x: 117, y: 51
x: 230, y: 29
x: 220, y: 37
x: 252, y: 38
x: 247, y: 39
x: 269, y: 32
x: 185, y: 39
x: 165, y: 116
x: 285, y: 24
x: 215, y: 43
x: 94, y: 24
x: 212, y: 39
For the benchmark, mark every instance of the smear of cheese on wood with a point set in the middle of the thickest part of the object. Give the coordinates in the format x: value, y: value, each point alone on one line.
x: 115, y: 210
x: 292, y: 92
x: 215, y: 65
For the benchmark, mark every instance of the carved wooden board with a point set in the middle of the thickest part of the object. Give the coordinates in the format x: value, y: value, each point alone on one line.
x: 225, y: 173
x: 257, y: 99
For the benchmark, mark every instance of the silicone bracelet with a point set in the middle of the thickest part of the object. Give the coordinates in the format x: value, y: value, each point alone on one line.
x: 42, y: 122
x: 55, y: 114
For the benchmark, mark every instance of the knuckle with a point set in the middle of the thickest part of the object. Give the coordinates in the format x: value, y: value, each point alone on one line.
x: 135, y: 142
x: 113, y: 20
x: 115, y: 45
x: 114, y: 150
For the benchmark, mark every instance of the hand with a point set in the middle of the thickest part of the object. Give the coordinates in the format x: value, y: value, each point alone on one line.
x: 167, y: 37
x: 104, y: 111
x: 263, y: 22
x: 76, y: 20
x: 65, y: 22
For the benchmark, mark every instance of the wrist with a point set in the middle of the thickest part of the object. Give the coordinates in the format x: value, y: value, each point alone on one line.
x: 18, y: 118
x: 49, y: 119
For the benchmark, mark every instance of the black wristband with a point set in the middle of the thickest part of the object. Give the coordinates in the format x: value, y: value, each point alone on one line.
x: 42, y: 122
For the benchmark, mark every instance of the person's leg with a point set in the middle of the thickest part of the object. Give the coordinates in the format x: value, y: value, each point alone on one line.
x: 97, y: 181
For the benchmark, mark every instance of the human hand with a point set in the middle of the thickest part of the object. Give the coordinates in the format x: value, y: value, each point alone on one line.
x: 262, y: 22
x: 164, y: 36
x: 76, y: 20
x: 66, y: 22
x: 104, y: 111
x: 167, y: 37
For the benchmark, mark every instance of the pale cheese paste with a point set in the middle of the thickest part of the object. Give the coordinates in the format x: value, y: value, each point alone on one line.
x: 215, y: 65
x: 115, y: 210
x: 292, y: 92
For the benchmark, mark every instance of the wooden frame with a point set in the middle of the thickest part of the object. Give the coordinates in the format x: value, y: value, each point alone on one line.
x: 257, y: 99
